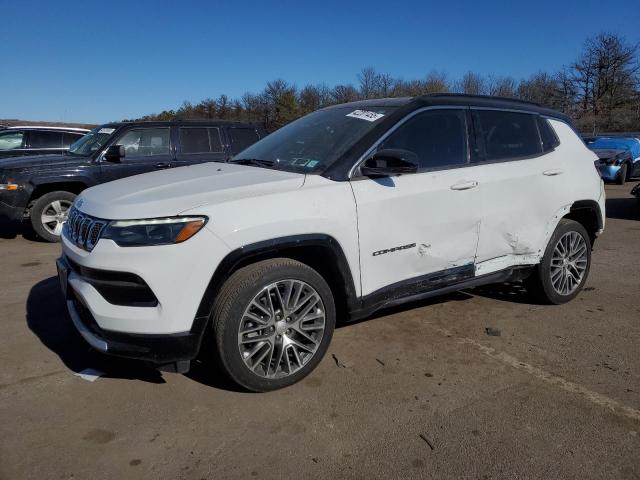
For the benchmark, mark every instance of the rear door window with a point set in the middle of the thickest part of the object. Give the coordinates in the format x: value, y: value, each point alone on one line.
x: 195, y: 140
x: 242, y: 138
x: 45, y: 139
x: 507, y: 135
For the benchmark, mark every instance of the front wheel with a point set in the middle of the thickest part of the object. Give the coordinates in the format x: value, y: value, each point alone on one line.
x: 565, y: 266
x: 48, y: 214
x: 273, y: 322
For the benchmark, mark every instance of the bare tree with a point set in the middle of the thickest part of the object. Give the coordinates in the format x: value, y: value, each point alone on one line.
x: 435, y: 82
x: 472, y: 84
x: 344, y: 93
x: 369, y: 80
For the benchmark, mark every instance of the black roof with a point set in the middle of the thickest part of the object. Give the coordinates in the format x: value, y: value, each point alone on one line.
x: 457, y: 99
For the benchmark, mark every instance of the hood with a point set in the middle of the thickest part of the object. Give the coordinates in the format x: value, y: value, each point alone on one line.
x: 173, y: 191
x: 31, y: 162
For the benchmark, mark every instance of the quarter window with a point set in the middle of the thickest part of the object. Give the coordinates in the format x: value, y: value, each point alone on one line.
x: 507, y: 135
x: 11, y: 140
x: 547, y: 135
x: 147, y: 142
x: 437, y: 137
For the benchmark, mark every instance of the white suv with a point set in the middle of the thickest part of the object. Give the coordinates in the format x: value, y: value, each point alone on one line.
x: 347, y: 210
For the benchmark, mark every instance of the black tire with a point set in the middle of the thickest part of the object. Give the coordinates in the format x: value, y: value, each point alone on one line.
x: 622, y: 174
x: 539, y: 282
x: 42, y: 205
x: 234, y: 297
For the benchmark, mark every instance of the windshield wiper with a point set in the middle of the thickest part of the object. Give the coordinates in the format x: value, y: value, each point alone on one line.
x: 253, y: 161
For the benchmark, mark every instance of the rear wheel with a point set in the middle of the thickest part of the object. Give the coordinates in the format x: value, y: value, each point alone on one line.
x: 565, y: 266
x: 48, y: 214
x: 273, y: 322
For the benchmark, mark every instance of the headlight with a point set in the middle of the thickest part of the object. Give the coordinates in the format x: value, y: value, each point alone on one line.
x: 153, y: 231
x: 8, y: 186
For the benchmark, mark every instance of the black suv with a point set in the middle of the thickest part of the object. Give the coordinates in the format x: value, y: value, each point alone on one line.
x: 36, y: 140
x: 43, y: 188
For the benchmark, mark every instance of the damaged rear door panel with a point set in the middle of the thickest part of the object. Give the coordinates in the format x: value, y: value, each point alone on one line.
x: 521, y: 190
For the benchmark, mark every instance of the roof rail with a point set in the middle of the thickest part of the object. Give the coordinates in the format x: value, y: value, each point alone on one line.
x: 485, y: 97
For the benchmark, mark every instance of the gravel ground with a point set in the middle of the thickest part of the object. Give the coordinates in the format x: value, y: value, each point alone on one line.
x: 417, y: 392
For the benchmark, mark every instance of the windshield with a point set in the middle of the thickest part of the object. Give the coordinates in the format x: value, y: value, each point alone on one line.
x: 92, y: 141
x: 312, y: 143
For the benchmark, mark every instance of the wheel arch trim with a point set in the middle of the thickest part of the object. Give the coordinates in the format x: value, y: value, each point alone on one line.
x: 270, y: 248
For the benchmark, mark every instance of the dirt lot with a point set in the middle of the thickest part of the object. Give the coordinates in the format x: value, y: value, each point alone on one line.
x: 418, y: 392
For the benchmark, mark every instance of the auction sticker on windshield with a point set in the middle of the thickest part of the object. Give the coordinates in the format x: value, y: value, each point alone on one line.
x: 107, y: 130
x: 365, y: 115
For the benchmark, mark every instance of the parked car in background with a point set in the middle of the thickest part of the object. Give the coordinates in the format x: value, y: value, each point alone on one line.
x: 36, y: 140
x: 618, y: 157
x: 43, y: 188
x: 347, y: 210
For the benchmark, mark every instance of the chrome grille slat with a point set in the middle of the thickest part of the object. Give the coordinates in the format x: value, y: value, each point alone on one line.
x: 83, y: 230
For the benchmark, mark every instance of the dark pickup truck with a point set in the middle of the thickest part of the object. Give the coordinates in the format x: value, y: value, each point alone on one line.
x: 43, y: 188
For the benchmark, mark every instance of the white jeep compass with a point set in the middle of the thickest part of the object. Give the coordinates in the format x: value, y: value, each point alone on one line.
x: 350, y: 209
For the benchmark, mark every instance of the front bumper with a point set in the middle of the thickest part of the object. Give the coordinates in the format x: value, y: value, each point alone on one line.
x: 13, y: 204
x: 105, y: 306
x: 609, y: 173
x: 157, y: 349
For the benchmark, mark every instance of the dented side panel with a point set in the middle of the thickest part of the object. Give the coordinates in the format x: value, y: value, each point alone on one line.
x: 521, y: 200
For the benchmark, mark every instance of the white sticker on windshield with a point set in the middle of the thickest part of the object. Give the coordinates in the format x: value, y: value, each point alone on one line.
x: 365, y: 115
x: 107, y: 130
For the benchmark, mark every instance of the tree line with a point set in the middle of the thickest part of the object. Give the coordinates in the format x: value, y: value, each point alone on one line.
x: 600, y: 90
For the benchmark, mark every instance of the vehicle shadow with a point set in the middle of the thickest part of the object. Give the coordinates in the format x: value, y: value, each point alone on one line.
x: 47, y: 317
x: 623, y: 208
x: 10, y: 230
x: 386, y: 311
x: 514, y: 292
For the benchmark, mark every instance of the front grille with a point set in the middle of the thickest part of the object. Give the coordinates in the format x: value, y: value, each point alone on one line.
x: 82, y: 229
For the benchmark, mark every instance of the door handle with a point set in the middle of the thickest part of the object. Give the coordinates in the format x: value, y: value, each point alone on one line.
x: 553, y: 172
x: 163, y: 165
x: 464, y: 185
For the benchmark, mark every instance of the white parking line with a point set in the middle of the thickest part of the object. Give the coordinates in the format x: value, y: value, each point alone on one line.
x: 547, y: 377
x: 89, y: 374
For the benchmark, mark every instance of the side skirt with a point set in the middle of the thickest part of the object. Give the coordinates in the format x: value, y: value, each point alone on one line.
x: 406, y: 292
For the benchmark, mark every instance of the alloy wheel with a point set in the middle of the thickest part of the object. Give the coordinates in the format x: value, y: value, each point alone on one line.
x: 281, y: 328
x: 568, y: 263
x: 54, y: 215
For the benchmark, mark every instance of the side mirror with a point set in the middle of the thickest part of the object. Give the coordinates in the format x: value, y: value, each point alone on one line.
x: 115, y: 153
x: 389, y: 162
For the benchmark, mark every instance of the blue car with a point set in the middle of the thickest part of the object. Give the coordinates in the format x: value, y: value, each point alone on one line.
x: 618, y: 157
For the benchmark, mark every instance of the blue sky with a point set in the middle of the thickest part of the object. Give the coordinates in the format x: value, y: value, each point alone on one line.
x: 88, y: 61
